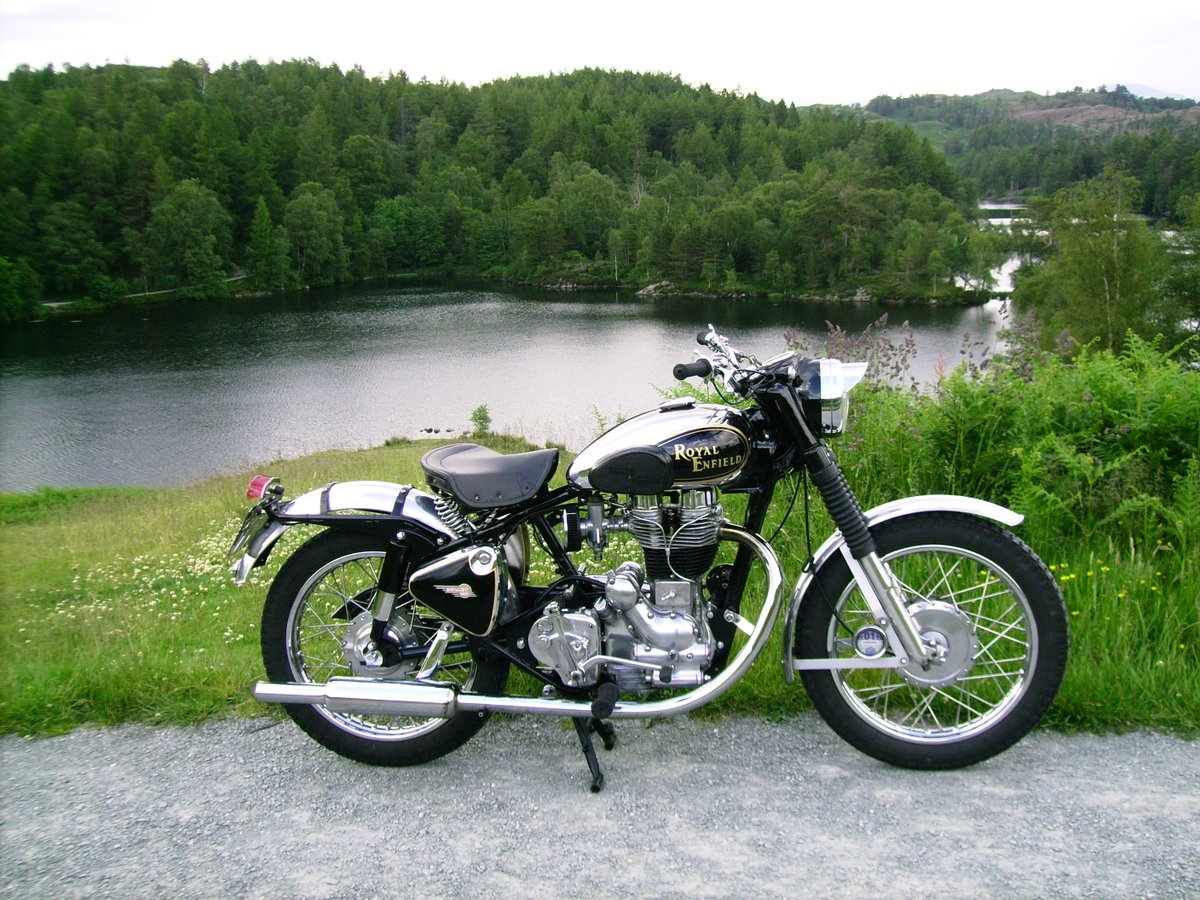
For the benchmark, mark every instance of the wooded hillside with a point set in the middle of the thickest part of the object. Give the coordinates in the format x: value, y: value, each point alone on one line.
x: 118, y: 179
x: 1012, y: 144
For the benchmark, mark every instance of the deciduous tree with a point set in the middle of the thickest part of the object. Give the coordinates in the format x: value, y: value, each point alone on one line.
x: 187, y: 241
x: 1104, y: 265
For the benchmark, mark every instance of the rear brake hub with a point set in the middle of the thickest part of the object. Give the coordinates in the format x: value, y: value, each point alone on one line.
x: 362, y: 654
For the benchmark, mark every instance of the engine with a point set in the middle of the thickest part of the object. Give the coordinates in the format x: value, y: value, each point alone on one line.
x: 646, y: 625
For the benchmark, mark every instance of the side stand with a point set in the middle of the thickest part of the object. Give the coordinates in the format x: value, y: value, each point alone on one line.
x: 608, y: 736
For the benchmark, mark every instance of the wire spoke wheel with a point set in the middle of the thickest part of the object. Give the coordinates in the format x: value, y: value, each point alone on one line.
x: 329, y: 629
x: 995, y: 619
x: 980, y: 620
x: 317, y: 626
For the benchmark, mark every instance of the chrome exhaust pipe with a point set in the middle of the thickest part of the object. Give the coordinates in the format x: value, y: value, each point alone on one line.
x: 408, y: 698
x: 373, y: 698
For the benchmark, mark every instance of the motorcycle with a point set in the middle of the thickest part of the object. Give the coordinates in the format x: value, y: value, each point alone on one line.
x: 926, y: 633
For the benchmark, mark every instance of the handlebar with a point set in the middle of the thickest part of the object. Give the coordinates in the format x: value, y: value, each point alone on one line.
x: 744, y: 376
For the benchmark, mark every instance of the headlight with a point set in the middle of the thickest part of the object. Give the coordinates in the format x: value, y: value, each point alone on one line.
x: 825, y: 386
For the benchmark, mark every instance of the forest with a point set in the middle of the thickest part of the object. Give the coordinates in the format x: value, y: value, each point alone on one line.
x: 120, y: 180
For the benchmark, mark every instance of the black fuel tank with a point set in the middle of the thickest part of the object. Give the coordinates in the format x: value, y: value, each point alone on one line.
x: 682, y: 444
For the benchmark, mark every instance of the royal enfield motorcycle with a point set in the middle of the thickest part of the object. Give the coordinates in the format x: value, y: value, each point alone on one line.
x: 926, y: 633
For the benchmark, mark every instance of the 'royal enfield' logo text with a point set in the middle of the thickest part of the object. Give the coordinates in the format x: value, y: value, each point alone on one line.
x: 707, y: 457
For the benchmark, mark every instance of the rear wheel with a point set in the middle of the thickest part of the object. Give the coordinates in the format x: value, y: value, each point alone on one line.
x: 316, y: 625
x: 993, y: 611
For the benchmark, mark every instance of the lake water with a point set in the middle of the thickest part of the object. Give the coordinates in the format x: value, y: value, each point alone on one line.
x: 168, y: 394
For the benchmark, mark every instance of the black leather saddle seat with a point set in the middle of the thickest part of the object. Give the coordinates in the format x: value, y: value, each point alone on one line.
x: 480, y: 478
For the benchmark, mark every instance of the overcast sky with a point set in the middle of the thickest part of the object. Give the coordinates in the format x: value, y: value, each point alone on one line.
x: 803, y: 53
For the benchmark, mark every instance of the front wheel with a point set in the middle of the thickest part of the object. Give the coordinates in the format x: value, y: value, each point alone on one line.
x: 317, y: 620
x: 993, y: 611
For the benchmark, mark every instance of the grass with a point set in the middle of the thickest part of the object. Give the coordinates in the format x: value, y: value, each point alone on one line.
x: 116, y: 604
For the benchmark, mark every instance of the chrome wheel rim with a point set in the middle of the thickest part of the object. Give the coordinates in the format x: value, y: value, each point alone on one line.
x: 982, y: 623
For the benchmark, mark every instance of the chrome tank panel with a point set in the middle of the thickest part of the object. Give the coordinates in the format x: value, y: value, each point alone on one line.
x: 708, y: 444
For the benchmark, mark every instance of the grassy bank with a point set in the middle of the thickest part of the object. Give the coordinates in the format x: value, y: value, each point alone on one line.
x: 116, y: 605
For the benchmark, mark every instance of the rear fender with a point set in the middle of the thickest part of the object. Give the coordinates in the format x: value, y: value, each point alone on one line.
x: 338, y: 501
x: 336, y: 506
x: 875, y: 516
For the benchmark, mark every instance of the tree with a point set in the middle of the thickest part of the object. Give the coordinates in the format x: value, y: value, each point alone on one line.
x: 316, y: 153
x: 314, y: 225
x: 481, y: 421
x: 1184, y: 278
x: 405, y: 236
x: 187, y: 241
x: 701, y: 149
x: 20, y: 290
x: 588, y: 206
x: 70, y: 258
x: 365, y: 163
x: 1104, y: 265
x: 537, y: 234
x: 270, y: 267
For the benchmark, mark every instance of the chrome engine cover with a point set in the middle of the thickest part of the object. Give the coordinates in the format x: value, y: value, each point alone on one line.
x: 639, y: 644
x: 568, y: 643
x: 650, y: 628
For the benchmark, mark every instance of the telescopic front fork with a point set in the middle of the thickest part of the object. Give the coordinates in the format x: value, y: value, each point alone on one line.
x: 880, y: 587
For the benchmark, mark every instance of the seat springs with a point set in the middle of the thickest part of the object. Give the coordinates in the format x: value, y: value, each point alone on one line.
x: 452, y: 516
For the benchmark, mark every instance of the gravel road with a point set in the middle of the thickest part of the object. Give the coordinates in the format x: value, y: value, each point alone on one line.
x: 707, y: 808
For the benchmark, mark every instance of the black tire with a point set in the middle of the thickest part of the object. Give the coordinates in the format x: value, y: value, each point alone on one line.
x: 310, y: 610
x: 993, y: 605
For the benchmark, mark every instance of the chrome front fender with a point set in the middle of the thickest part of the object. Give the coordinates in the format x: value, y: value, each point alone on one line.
x: 892, y: 510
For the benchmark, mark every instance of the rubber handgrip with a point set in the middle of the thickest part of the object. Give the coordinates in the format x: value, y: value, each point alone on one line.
x: 701, y: 367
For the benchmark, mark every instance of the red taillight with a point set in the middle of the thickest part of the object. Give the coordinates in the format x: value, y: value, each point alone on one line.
x: 260, y: 485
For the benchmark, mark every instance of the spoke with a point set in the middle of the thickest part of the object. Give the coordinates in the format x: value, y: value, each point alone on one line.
x: 1000, y: 618
x: 938, y: 575
x: 315, y: 664
x: 944, y: 582
x: 1011, y: 645
x: 861, y: 612
x: 953, y: 596
x: 869, y: 694
x: 991, y: 676
x: 916, y: 713
x: 1020, y: 660
x: 330, y: 628
x: 987, y: 648
x: 322, y: 616
x: 944, y: 694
